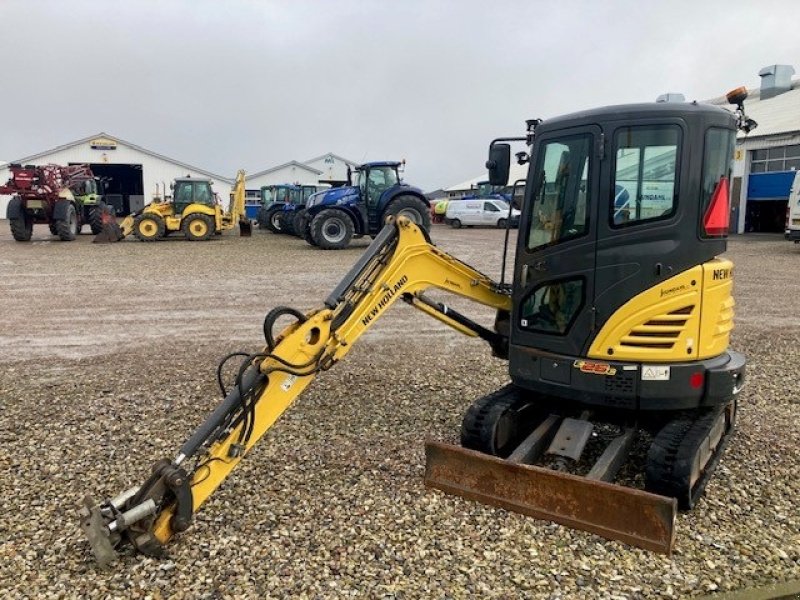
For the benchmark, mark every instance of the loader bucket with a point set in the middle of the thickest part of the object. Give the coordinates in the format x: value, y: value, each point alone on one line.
x: 245, y: 228
x: 614, y: 512
x: 111, y: 231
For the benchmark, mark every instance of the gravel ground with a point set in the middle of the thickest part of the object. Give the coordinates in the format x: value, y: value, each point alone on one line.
x: 108, y: 357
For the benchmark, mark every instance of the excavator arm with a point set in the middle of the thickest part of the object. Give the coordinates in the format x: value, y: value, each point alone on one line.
x: 401, y: 263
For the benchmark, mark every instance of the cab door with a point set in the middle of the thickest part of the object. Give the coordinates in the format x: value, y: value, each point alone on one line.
x: 555, y: 264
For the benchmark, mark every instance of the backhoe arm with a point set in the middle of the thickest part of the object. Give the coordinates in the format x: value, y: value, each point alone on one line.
x: 400, y: 263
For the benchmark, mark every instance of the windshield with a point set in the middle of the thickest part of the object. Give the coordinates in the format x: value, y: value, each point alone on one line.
x: 267, y: 196
x: 502, y: 204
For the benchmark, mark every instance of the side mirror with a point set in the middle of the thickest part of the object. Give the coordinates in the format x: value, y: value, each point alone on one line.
x: 172, y: 185
x: 499, y: 163
x: 349, y: 176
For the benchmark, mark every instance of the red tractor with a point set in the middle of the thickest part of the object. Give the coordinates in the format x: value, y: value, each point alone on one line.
x: 65, y: 198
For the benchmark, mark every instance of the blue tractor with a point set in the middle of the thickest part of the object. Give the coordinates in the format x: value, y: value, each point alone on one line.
x: 273, y: 199
x: 333, y: 217
x: 290, y: 219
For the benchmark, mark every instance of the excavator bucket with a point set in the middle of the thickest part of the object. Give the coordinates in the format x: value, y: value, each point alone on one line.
x: 111, y: 231
x: 245, y: 228
x: 612, y: 511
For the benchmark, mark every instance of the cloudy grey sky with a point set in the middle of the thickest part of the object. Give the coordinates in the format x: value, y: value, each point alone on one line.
x: 224, y: 85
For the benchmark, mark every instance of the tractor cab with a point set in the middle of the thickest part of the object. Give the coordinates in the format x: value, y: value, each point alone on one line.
x: 279, y: 194
x: 373, y: 179
x: 485, y: 190
x: 188, y: 191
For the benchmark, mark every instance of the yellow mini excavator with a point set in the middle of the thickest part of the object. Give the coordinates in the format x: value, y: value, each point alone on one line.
x: 616, y: 328
x: 192, y: 209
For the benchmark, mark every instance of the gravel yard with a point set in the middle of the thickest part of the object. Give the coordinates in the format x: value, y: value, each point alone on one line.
x: 108, y: 355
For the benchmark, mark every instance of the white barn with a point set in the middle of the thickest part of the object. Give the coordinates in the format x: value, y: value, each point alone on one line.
x: 135, y: 173
x: 333, y: 167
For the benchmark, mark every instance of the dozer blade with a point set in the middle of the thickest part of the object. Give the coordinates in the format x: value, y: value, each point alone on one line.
x: 615, y: 512
x: 245, y: 228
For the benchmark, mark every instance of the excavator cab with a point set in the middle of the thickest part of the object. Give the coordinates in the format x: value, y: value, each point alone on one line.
x: 643, y: 289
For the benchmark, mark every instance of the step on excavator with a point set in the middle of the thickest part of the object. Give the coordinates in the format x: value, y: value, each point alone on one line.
x: 193, y: 210
x: 616, y: 330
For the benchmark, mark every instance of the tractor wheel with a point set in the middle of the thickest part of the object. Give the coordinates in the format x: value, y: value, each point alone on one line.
x: 52, y: 227
x: 332, y: 229
x: 22, y: 229
x: 298, y: 224
x: 198, y: 227
x: 411, y: 207
x: 273, y: 220
x: 67, y: 228
x: 96, y: 217
x: 455, y: 224
x: 287, y: 223
x: 305, y: 231
x: 148, y: 227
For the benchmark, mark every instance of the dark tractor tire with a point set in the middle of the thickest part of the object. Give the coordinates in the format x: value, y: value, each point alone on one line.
x: 305, y: 231
x: 22, y: 229
x: 148, y: 227
x: 52, y: 227
x: 332, y: 229
x: 298, y: 224
x: 455, y: 224
x: 96, y: 213
x: 411, y: 207
x: 287, y: 223
x: 501, y: 223
x: 273, y: 220
x: 67, y: 228
x: 198, y: 227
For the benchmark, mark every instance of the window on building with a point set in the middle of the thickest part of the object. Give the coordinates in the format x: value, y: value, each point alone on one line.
x: 770, y: 160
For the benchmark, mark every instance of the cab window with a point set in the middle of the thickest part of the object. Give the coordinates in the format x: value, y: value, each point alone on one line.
x: 552, y: 307
x: 560, y: 191
x: 645, y: 174
x: 717, y: 164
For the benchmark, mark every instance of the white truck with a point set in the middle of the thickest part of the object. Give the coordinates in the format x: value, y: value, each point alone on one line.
x: 792, y: 232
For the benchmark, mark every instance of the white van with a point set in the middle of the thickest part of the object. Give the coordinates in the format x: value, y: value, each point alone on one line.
x: 792, y: 232
x: 493, y: 213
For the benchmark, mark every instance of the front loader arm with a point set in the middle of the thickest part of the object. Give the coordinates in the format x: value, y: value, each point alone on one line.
x: 400, y: 263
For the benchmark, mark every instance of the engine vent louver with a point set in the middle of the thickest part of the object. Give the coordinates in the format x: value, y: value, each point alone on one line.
x: 659, y: 332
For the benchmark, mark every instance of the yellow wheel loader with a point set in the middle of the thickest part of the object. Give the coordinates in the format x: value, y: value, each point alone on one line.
x: 616, y: 329
x: 193, y: 209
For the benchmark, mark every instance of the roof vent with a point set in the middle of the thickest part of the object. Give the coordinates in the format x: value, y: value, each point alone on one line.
x: 775, y: 79
x: 671, y: 97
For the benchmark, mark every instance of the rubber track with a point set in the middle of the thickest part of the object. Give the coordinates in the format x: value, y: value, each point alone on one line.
x: 477, y: 428
x: 670, y: 458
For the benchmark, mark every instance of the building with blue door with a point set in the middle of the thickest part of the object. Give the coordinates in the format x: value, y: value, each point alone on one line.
x: 767, y: 158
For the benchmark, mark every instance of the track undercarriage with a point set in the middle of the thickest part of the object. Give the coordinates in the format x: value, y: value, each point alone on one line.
x: 559, y: 454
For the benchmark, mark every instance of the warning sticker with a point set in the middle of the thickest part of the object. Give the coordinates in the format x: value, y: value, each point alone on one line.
x: 654, y: 373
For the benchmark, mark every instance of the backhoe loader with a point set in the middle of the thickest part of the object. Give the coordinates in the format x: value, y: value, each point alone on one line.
x: 193, y: 210
x: 618, y: 327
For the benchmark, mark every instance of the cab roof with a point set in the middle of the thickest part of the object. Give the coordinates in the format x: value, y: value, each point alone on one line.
x: 379, y: 163
x: 625, y: 112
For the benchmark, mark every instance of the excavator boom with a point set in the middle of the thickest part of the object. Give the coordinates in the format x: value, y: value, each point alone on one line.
x: 400, y: 263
